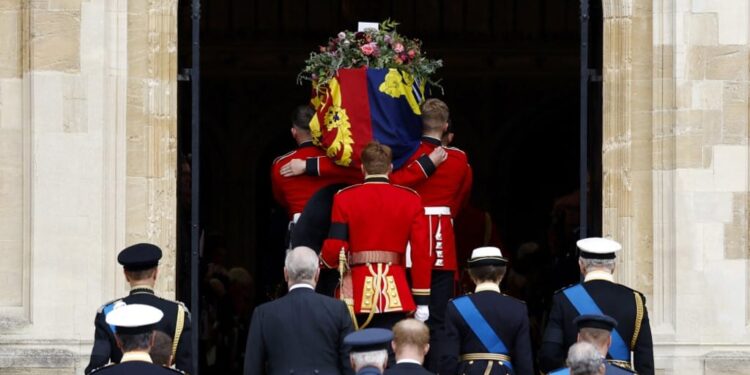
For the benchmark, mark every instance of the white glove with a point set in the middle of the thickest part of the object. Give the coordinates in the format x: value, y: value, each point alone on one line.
x: 422, y: 313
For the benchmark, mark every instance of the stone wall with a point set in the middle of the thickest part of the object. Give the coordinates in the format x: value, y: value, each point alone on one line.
x: 87, y: 166
x: 676, y: 166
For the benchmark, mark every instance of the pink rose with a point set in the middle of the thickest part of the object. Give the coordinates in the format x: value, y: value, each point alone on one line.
x: 398, y: 48
x: 368, y: 49
x: 411, y: 53
x: 342, y: 35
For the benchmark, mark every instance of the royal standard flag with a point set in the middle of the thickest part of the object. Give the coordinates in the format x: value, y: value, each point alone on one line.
x: 359, y: 105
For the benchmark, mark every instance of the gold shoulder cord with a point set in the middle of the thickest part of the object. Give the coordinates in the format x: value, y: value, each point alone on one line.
x: 638, y: 319
x: 178, y: 331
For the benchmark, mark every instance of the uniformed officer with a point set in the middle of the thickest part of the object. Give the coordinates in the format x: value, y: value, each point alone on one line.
x: 140, y: 263
x: 371, y: 224
x: 486, y: 332
x: 595, y: 330
x: 411, y: 342
x: 135, y: 324
x: 293, y: 193
x: 599, y: 295
x: 369, y: 354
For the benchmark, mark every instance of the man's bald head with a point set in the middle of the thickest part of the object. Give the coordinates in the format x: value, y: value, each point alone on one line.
x: 301, y: 266
x: 411, y: 339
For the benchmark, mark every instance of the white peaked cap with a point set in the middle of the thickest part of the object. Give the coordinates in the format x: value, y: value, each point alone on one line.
x: 135, y: 315
x: 598, y: 248
x: 487, y: 255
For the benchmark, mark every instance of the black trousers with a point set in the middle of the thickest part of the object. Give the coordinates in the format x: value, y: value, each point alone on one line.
x: 441, y: 292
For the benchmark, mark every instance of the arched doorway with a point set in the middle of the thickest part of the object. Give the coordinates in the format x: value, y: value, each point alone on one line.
x: 512, y: 77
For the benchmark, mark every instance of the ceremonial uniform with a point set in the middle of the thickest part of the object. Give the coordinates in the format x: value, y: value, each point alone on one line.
x: 300, y: 333
x: 372, y: 222
x: 407, y: 368
x: 486, y: 332
x: 294, y: 192
x: 175, y: 323
x: 443, y: 194
x: 131, y: 322
x: 599, y: 294
x: 105, y: 346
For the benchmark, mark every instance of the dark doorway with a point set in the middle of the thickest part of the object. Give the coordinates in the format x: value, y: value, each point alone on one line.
x: 511, y: 78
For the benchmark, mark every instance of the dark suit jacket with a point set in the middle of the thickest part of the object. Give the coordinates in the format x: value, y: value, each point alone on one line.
x: 301, y: 333
x: 135, y: 367
x: 507, y: 316
x: 105, y: 348
x: 407, y: 369
x: 615, y: 300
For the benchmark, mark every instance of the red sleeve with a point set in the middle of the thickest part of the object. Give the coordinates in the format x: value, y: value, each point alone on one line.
x: 462, y: 199
x: 413, y: 172
x: 421, y: 257
x: 276, y: 177
x: 338, y: 236
x: 322, y: 166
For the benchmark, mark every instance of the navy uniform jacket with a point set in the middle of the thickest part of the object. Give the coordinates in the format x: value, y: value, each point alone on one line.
x: 407, y: 369
x: 301, y: 333
x: 135, y: 367
x: 105, y: 347
x: 615, y: 300
x: 369, y: 371
x: 509, y: 319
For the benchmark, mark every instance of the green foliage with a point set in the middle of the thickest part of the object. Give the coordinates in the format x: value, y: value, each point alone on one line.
x: 383, y: 48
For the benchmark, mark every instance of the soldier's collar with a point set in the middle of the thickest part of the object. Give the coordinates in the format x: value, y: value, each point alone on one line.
x: 306, y: 144
x: 599, y: 275
x: 136, y: 357
x: 432, y: 140
x: 142, y: 290
x: 376, y: 178
x: 487, y: 287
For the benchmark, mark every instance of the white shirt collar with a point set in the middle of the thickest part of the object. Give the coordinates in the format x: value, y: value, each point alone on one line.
x: 408, y: 360
x: 136, y: 356
x: 599, y: 275
x: 492, y: 287
x: 301, y: 285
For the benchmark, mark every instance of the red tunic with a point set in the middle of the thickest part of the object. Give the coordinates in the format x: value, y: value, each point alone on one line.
x: 379, y: 216
x: 294, y: 192
x: 443, y: 194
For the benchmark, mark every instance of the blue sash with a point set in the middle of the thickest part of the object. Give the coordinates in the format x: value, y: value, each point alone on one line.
x: 107, y: 310
x: 481, y: 328
x: 584, y: 304
x: 560, y: 371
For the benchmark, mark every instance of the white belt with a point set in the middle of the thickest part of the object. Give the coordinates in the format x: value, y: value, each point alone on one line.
x: 295, y: 217
x: 438, y: 210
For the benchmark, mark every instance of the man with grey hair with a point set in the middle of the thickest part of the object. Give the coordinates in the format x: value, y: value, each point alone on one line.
x: 599, y: 295
x: 302, y: 332
x: 584, y: 359
x: 369, y: 354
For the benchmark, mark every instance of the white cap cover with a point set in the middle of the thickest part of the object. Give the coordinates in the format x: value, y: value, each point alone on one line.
x: 598, y: 248
x: 132, y: 316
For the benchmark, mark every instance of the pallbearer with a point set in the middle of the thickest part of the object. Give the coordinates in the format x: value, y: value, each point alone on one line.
x: 599, y: 295
x: 486, y: 332
x: 371, y: 224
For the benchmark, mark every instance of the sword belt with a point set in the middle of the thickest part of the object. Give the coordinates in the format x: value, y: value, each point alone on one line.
x: 375, y: 256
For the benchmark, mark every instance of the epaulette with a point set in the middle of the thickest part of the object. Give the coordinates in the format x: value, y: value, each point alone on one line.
x: 102, y: 307
x: 187, y: 311
x: 103, y: 367
x: 283, y: 156
x: 406, y: 188
x: 620, y: 367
